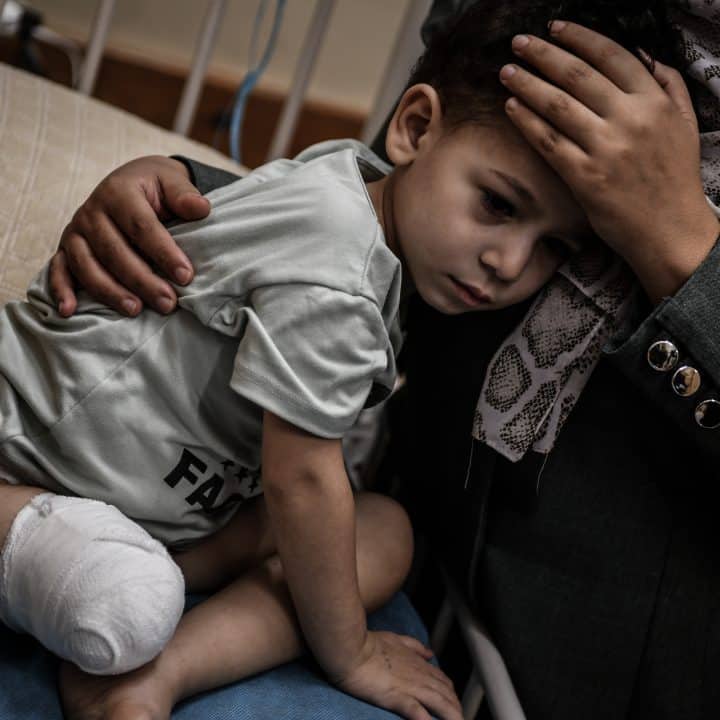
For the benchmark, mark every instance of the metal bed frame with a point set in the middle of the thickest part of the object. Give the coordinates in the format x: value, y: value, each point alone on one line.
x: 489, y: 677
x: 406, y: 50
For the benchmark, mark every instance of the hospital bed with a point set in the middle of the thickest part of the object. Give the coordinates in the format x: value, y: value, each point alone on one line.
x: 55, y: 145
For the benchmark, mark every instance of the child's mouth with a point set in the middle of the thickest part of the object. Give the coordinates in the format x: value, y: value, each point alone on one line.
x: 470, y: 295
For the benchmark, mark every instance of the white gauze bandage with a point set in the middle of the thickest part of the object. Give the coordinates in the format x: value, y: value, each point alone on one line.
x: 90, y: 584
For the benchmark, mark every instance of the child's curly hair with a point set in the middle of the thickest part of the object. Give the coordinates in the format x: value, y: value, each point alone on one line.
x: 463, y: 60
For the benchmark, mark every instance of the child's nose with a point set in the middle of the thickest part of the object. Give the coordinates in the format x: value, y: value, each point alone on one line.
x: 509, y: 259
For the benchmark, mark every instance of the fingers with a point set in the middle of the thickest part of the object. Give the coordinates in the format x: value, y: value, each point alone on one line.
x: 142, y: 227
x: 426, y: 700
x: 414, y: 644
x: 398, y: 677
x: 440, y: 699
x: 559, y: 151
x: 113, y: 252
x: 671, y: 81
x: 94, y: 278
x: 416, y: 708
x: 426, y: 654
x: 61, y: 284
x: 562, y: 110
x: 182, y: 198
x: 431, y: 687
x: 568, y: 72
x: 104, y: 244
x: 408, y: 707
x: 609, y: 58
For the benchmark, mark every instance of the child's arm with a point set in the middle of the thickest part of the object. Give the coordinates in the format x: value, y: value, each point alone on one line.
x: 311, y: 507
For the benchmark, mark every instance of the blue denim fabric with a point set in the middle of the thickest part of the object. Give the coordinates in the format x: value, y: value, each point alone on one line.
x: 295, y: 691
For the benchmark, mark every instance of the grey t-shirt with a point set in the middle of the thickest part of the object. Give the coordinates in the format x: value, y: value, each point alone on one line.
x: 293, y: 309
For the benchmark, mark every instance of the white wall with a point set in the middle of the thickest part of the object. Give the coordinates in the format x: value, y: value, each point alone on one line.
x: 349, y: 69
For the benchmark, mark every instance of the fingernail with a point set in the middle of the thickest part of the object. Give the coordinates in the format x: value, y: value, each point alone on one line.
x: 520, y: 41
x: 165, y: 304
x: 182, y: 275
x: 646, y: 60
x: 507, y: 72
x: 62, y: 307
x: 511, y: 104
x: 129, y: 306
x: 556, y: 26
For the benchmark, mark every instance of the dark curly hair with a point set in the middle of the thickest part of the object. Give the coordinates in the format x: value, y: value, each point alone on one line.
x: 463, y: 59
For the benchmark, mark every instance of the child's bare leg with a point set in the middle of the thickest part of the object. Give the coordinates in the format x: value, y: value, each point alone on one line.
x: 226, y: 555
x: 13, y: 498
x: 248, y: 627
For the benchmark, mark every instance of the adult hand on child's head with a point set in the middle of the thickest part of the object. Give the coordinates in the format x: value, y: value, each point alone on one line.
x: 123, y: 215
x: 395, y: 674
x: 627, y: 144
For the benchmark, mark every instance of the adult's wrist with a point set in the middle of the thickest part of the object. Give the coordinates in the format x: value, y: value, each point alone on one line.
x: 666, y: 265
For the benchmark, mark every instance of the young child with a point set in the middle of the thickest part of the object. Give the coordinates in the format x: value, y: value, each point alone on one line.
x: 289, y: 328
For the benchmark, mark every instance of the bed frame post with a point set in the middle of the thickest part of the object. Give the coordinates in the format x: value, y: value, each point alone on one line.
x: 96, y: 45
x: 193, y: 86
x: 305, y: 65
x: 407, y: 49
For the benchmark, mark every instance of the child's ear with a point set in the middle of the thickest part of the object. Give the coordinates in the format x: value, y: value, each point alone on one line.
x: 416, y: 120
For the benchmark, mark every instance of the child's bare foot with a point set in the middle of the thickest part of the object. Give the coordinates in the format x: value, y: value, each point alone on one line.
x: 137, y: 695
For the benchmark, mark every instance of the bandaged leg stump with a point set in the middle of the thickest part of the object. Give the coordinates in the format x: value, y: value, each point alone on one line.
x: 89, y: 584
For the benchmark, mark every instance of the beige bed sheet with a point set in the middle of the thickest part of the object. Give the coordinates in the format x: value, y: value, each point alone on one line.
x: 55, y: 146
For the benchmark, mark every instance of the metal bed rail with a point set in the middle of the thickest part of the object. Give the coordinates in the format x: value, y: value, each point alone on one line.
x: 205, y: 45
x: 489, y: 677
x: 406, y: 50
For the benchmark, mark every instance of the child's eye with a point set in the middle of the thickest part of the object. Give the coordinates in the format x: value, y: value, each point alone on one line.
x: 496, y: 204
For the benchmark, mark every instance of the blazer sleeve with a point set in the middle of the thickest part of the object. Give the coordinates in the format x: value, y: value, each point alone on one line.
x: 673, y: 355
x: 205, y: 177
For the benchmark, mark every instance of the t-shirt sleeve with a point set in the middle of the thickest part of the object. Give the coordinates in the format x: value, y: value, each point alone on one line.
x: 313, y: 355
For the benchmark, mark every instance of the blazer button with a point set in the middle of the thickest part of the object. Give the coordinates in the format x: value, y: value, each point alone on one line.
x: 686, y: 381
x: 662, y: 356
x: 707, y: 414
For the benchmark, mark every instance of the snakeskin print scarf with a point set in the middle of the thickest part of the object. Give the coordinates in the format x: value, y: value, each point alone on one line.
x: 537, y: 375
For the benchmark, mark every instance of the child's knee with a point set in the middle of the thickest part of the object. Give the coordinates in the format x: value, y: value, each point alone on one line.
x: 384, y: 522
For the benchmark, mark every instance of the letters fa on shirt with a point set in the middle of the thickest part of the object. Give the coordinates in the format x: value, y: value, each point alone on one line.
x: 207, y: 486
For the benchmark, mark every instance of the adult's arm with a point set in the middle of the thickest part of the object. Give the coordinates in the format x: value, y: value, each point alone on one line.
x: 690, y: 321
x: 123, y: 217
x: 626, y: 142
x: 99, y: 247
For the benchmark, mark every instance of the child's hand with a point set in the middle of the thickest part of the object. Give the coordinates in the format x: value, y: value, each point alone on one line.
x: 395, y: 674
x: 124, y: 212
x: 627, y: 144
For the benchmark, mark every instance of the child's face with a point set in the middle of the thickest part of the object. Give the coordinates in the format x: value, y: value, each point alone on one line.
x: 479, y: 220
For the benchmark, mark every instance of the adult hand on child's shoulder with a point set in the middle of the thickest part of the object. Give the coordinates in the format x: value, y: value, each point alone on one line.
x: 626, y: 142
x: 394, y: 673
x: 123, y: 215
